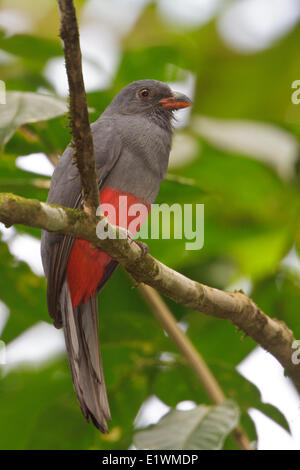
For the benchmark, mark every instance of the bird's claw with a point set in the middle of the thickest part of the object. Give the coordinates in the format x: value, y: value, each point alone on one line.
x: 144, y: 247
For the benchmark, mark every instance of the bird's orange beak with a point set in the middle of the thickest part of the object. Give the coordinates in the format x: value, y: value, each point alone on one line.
x: 176, y: 101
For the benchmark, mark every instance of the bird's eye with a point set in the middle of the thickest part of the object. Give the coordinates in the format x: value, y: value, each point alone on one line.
x: 144, y: 93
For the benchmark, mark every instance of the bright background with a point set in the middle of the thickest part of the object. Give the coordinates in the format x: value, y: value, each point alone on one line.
x: 239, y: 149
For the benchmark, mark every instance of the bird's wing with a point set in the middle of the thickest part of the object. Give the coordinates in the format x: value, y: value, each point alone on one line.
x: 66, y: 190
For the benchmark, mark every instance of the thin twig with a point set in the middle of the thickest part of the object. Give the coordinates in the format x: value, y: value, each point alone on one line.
x: 79, y: 116
x: 164, y: 316
x: 167, y: 320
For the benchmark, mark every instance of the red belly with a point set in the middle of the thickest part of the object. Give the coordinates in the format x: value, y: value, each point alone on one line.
x: 86, y: 265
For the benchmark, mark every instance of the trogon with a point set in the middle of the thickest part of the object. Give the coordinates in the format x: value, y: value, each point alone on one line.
x: 132, y: 141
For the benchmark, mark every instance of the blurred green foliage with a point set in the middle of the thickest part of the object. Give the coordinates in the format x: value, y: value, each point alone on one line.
x: 251, y: 223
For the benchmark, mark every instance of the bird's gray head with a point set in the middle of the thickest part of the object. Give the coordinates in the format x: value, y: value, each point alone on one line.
x: 148, y: 97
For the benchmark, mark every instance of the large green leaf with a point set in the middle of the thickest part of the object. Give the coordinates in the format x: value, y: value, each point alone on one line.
x: 176, y: 383
x: 43, y: 398
x: 34, y: 404
x: 202, y: 428
x: 22, y: 108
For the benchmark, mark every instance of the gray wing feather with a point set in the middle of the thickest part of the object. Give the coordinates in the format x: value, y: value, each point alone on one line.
x: 80, y: 324
x: 65, y: 190
x: 81, y: 336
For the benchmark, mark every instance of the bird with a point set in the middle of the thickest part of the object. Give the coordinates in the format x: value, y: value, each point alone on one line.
x: 132, y: 142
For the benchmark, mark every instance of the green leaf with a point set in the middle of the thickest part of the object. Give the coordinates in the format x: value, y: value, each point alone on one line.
x: 177, y: 383
x: 23, y: 292
x: 279, y: 297
x: 43, y: 399
x: 32, y: 48
x: 23, y: 183
x: 22, y: 108
x: 202, y: 428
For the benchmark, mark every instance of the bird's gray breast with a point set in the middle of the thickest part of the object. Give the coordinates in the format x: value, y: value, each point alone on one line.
x: 144, y: 158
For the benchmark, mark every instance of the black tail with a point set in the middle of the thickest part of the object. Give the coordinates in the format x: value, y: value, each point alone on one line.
x: 82, y: 342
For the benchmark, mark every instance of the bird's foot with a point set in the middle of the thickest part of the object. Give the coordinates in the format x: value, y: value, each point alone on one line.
x: 144, y: 247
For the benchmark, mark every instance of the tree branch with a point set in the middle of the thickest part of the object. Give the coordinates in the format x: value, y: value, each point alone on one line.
x: 79, y: 117
x: 271, y: 334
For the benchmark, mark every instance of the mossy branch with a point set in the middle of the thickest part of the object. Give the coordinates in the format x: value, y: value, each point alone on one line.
x: 271, y: 334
